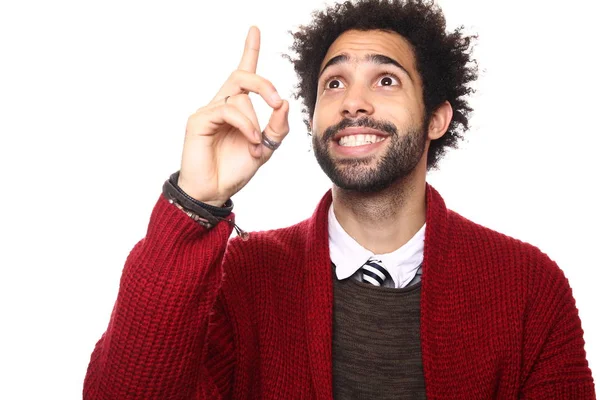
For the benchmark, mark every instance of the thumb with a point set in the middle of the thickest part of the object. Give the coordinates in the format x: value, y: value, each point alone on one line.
x: 278, y: 126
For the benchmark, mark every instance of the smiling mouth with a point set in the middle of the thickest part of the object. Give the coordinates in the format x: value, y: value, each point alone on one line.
x: 359, y: 140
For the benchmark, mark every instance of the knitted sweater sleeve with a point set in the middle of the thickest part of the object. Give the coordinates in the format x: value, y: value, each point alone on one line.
x: 157, y: 344
x: 554, y: 354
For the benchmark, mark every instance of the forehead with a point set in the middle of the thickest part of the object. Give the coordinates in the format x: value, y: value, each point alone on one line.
x: 357, y: 44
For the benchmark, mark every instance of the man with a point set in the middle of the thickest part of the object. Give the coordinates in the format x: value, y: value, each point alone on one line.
x: 383, y: 293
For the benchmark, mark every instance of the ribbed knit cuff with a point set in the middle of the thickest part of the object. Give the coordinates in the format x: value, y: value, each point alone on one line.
x: 171, y: 234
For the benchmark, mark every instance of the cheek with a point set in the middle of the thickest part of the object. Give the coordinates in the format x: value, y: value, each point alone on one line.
x: 398, y: 113
x: 320, y: 116
x: 402, y: 112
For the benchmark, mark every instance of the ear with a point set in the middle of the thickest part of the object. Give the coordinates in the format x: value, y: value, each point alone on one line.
x: 439, y: 121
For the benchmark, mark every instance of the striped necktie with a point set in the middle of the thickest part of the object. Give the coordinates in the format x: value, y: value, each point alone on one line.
x: 374, y: 272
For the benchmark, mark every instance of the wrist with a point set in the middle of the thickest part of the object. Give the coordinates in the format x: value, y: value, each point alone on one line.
x: 179, y: 183
x: 205, y: 214
x: 212, y: 203
x: 218, y: 209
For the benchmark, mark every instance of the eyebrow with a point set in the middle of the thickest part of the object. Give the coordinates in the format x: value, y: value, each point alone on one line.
x: 378, y: 59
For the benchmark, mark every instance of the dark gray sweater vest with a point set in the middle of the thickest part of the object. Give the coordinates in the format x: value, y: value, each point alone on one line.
x: 376, y: 342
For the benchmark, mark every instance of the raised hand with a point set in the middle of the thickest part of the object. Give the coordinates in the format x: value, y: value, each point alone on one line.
x: 223, y: 142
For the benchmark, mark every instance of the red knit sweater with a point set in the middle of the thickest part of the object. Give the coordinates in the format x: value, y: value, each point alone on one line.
x: 201, y: 317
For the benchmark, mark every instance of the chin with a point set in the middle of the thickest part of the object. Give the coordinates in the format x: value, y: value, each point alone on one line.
x: 363, y: 180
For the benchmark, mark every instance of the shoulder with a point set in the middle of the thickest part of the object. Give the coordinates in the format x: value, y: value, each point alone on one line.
x: 499, y: 254
x: 279, y: 251
x: 273, y: 240
x: 264, y: 269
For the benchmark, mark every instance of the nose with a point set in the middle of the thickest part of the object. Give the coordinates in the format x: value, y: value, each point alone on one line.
x: 357, y: 102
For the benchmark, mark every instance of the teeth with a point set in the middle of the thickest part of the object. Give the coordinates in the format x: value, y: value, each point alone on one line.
x: 359, y: 140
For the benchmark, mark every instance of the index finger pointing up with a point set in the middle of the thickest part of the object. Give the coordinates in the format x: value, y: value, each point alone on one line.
x: 251, y: 49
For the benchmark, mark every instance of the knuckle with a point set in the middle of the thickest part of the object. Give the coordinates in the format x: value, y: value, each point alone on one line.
x: 237, y: 76
x: 267, y: 85
x: 272, y: 130
x: 192, y: 119
x: 233, y: 78
x: 198, y: 112
x: 229, y: 111
x: 193, y: 125
x: 225, y: 109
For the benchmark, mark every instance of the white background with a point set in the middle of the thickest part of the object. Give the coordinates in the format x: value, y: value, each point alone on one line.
x: 94, y: 98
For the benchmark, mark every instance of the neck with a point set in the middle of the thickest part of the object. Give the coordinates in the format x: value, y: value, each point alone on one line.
x: 384, y: 221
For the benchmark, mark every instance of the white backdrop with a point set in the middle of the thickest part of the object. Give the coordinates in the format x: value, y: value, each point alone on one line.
x: 94, y: 98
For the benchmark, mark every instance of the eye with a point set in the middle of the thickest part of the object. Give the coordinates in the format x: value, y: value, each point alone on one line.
x: 388, y: 80
x: 334, y: 83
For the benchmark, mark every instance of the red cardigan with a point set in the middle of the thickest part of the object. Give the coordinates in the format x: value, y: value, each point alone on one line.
x: 199, y: 316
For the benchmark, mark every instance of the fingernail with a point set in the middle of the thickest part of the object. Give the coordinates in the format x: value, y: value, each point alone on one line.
x: 276, y: 98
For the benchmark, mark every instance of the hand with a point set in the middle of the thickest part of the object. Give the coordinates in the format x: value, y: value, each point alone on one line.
x: 222, y: 149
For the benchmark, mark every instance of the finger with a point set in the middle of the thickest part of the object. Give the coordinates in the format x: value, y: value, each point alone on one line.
x: 226, y: 114
x: 231, y: 115
x: 278, y: 126
x: 251, y: 49
x: 246, y: 82
x: 243, y: 103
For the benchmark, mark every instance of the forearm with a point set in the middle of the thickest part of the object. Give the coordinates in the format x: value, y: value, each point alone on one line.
x: 156, y: 334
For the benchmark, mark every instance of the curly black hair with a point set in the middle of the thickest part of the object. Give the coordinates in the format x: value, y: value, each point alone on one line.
x: 443, y: 59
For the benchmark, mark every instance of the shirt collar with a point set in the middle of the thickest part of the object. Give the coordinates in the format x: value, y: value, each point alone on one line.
x: 348, y: 255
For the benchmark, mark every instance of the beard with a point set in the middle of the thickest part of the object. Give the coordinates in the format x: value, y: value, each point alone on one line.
x: 403, y: 153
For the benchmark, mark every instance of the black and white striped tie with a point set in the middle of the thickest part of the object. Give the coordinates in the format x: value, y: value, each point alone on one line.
x: 373, y: 272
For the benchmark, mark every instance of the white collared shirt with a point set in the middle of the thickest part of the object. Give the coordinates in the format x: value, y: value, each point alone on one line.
x: 348, y: 255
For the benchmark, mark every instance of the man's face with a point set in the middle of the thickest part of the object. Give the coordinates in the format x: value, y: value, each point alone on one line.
x: 368, y: 126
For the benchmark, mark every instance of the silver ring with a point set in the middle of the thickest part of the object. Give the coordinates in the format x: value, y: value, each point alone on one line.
x: 270, y: 143
x: 227, y: 98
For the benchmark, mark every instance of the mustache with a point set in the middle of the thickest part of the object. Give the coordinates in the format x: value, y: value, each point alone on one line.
x: 365, y: 122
